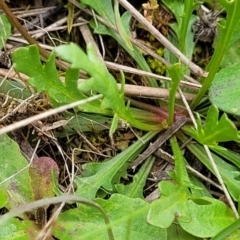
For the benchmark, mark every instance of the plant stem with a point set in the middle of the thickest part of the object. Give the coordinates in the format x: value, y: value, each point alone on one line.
x: 186, y: 18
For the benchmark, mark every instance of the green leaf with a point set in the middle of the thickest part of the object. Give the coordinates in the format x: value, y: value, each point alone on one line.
x: 101, y: 81
x: 11, y: 162
x: 164, y: 210
x: 229, y: 173
x: 45, y: 78
x: 5, y: 29
x: 4, y: 198
x: 101, y: 174
x: 84, y: 122
x: 214, y: 130
x: 103, y: 8
x: 228, y: 154
x: 179, y: 175
x: 225, y: 89
x: 182, y: 11
x: 135, y: 53
x: 127, y: 218
x: 207, y: 219
x: 114, y: 125
x: 200, y: 190
x: 14, y: 89
x: 235, y: 36
x: 121, y: 30
x: 232, y: 56
x: 177, y: 233
x: 40, y: 174
x: 230, y: 232
x: 135, y: 189
x: 17, y: 229
x: 225, y: 34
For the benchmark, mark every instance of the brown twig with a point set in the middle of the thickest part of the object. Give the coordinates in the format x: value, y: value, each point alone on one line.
x: 162, y: 139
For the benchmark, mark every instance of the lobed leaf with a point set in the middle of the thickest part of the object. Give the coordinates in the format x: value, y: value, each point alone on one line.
x: 215, y: 130
x: 101, y: 81
x: 45, y: 78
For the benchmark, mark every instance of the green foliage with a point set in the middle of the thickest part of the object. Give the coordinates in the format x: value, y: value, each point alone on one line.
x: 194, y: 214
x: 4, y: 198
x: 102, y: 174
x: 176, y: 72
x: 225, y: 89
x: 12, y: 162
x: 5, y: 30
x: 231, y: 57
x: 203, y: 215
x: 214, y: 130
x: 173, y: 201
x: 229, y: 173
x: 135, y: 189
x: 127, y: 216
x: 105, y: 10
x: 14, y: 191
x: 184, y: 199
x: 231, y: 232
x: 45, y: 78
x: 182, y: 10
x: 228, y: 154
x: 18, y: 229
x: 101, y: 81
x: 155, y: 64
x: 222, y: 45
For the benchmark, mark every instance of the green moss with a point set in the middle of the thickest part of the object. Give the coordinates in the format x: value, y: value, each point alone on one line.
x: 156, y: 65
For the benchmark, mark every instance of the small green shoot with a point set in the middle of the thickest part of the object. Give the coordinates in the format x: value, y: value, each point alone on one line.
x: 176, y: 72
